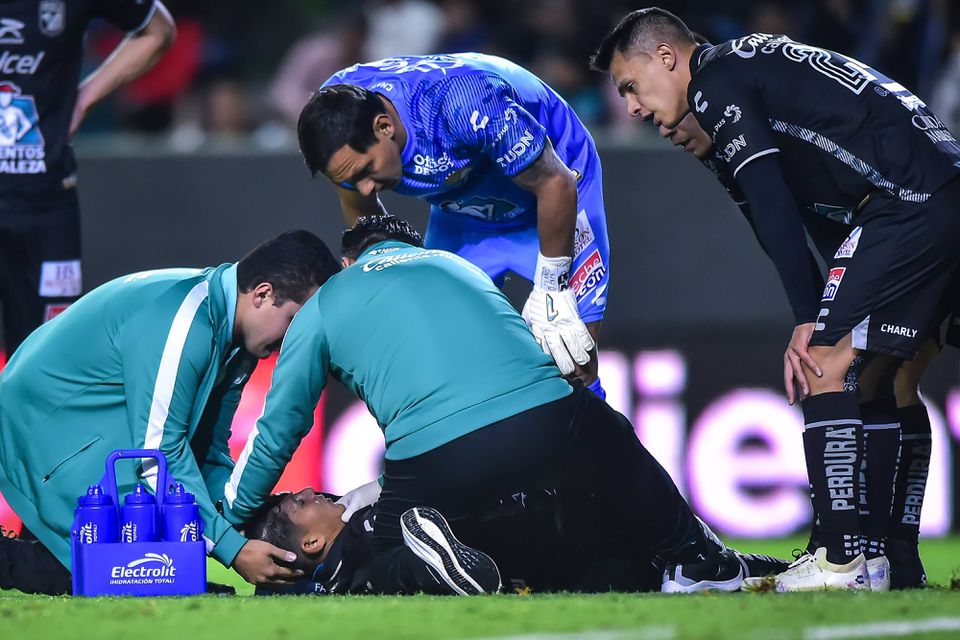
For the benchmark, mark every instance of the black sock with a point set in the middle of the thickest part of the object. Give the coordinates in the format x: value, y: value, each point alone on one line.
x: 881, y: 433
x: 912, y: 470
x: 831, y: 445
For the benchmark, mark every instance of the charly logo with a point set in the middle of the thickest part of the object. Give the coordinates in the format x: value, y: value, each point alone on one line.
x: 477, y: 122
x: 151, y: 568
x: 700, y: 106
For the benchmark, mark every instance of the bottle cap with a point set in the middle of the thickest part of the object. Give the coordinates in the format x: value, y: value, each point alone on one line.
x: 179, y: 495
x: 140, y: 495
x: 94, y: 497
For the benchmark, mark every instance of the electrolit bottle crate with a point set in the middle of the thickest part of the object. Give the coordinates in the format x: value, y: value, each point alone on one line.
x: 148, y: 546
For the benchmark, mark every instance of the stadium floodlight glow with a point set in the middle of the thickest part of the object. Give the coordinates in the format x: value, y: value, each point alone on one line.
x: 353, y: 450
x: 659, y: 373
x: 614, y: 370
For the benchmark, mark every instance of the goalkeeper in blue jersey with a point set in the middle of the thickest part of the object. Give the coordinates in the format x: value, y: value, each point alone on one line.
x: 511, y: 175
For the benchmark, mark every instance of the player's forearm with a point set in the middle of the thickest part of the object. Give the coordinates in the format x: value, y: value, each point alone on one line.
x: 777, y: 224
x: 132, y: 57
x: 555, y: 187
x: 557, y: 216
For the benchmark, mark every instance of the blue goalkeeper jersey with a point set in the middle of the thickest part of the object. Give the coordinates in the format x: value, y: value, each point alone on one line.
x: 473, y: 123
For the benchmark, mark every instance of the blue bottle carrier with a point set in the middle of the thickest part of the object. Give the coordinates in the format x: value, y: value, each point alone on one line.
x: 137, y: 568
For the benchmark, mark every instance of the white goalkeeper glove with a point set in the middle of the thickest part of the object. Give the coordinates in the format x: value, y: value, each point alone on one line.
x: 356, y: 499
x: 552, y: 315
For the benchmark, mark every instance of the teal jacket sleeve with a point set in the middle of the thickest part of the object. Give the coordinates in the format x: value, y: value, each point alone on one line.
x: 211, y: 442
x: 164, y: 364
x: 298, y: 381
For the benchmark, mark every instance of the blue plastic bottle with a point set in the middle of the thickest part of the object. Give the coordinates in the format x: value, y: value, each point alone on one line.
x: 181, y: 516
x: 95, y: 517
x: 138, y: 517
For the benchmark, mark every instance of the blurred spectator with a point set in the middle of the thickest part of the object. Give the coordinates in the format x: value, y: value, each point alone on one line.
x: 402, y: 27
x: 945, y: 101
x: 312, y: 60
x: 464, y: 28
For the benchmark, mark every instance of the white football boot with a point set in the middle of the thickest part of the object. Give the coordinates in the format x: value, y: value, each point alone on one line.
x: 814, y: 573
x: 878, y: 569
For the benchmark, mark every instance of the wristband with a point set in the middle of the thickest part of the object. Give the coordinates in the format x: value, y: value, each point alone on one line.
x: 552, y: 274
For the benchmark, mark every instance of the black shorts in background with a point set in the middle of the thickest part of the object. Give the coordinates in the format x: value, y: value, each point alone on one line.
x: 40, y: 273
x: 888, y: 281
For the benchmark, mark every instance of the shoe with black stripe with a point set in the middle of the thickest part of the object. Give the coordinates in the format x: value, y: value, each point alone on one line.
x: 464, y: 570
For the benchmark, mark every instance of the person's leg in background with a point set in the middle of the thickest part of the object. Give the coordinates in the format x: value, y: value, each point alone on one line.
x: 42, y: 271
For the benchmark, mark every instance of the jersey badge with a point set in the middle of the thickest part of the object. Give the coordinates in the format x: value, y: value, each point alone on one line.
x: 21, y: 143
x: 733, y: 110
x: 849, y: 246
x: 53, y: 17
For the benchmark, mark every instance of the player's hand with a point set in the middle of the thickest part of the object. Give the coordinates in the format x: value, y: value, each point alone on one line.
x: 555, y: 322
x: 795, y: 358
x: 356, y: 499
x: 263, y: 564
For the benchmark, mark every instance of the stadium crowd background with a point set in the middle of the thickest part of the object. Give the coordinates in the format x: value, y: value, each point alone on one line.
x: 243, y: 72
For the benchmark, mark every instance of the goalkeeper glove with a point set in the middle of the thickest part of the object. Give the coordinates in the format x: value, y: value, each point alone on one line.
x: 552, y: 315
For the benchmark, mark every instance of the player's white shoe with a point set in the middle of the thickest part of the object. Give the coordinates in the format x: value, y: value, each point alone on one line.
x: 878, y: 569
x: 814, y: 573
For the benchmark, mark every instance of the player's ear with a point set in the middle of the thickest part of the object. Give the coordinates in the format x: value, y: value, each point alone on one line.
x: 312, y: 544
x: 383, y: 126
x: 666, y: 56
x: 261, y: 294
x: 346, y: 262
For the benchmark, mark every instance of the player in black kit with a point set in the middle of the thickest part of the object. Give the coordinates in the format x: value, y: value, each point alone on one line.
x: 42, y: 102
x: 794, y: 123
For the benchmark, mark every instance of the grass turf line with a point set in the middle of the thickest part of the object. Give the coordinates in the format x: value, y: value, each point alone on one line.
x: 715, y: 616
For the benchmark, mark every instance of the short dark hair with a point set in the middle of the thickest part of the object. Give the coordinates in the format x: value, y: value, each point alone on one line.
x: 270, y: 524
x: 294, y: 262
x: 369, y: 230
x: 638, y: 30
x: 338, y: 115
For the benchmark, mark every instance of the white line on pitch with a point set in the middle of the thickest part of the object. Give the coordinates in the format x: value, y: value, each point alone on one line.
x: 881, y: 629
x: 642, y: 633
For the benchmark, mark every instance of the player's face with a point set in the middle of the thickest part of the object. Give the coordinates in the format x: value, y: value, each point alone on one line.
x: 378, y: 168
x: 312, y: 511
x: 689, y: 136
x: 267, y: 323
x: 652, y: 85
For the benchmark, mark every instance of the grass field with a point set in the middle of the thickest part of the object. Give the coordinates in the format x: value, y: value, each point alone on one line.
x: 931, y: 613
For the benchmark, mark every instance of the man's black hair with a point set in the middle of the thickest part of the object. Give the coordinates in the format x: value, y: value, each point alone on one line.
x: 338, y: 115
x: 294, y: 262
x: 369, y: 230
x: 643, y: 29
x: 270, y: 524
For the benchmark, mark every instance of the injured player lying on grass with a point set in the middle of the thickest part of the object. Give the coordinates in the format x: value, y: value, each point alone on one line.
x: 542, y: 541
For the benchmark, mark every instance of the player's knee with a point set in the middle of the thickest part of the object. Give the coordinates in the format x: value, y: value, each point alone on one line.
x: 906, y: 385
x: 835, y: 363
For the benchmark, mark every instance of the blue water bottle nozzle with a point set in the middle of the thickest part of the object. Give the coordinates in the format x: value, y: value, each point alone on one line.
x: 96, y: 517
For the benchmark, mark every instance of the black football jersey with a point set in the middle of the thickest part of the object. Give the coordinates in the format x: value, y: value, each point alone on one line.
x: 41, y: 50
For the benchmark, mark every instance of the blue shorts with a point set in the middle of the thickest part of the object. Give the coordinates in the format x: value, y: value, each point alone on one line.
x: 498, y: 249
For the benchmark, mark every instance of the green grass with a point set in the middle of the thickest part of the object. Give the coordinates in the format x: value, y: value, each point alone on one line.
x: 607, y: 616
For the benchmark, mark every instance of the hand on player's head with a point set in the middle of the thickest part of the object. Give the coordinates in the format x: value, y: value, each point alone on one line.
x: 306, y: 522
